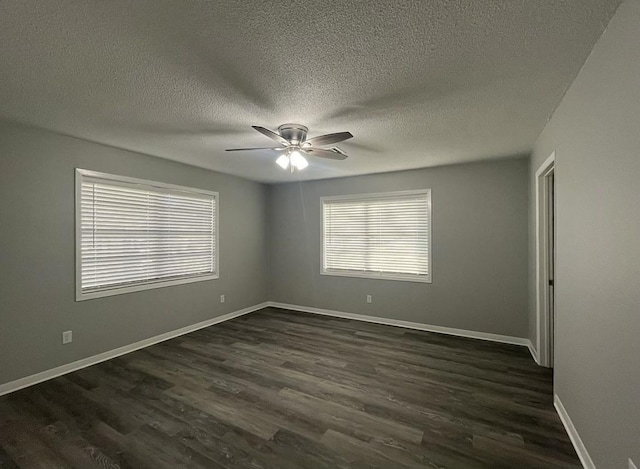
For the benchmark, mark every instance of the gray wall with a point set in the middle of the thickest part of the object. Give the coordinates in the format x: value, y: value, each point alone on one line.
x: 37, y: 254
x: 479, y: 249
x: 595, y: 134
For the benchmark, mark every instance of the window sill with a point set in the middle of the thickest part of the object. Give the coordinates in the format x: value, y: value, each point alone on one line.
x: 376, y: 276
x: 81, y: 296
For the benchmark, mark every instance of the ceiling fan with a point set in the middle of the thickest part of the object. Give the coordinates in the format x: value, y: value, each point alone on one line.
x: 294, y: 142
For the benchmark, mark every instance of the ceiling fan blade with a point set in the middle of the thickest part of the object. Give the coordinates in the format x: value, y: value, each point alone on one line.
x: 332, y: 154
x: 271, y: 134
x: 258, y: 148
x: 328, y: 139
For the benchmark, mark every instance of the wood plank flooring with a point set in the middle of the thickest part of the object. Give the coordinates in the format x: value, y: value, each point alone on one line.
x: 279, y: 389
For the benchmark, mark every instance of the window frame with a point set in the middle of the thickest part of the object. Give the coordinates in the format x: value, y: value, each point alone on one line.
x: 80, y: 174
x: 378, y: 275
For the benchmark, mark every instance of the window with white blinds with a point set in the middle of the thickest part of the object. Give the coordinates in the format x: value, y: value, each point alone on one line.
x: 378, y: 235
x: 134, y: 235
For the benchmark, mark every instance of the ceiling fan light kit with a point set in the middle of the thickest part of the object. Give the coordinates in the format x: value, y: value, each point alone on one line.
x: 283, y: 161
x: 293, y: 140
x: 298, y: 161
x: 293, y: 160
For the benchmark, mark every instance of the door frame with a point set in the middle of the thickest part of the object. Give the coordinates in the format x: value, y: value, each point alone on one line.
x: 543, y: 321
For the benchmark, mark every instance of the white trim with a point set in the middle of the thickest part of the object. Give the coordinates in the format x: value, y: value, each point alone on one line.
x: 144, y: 182
x: 160, y: 283
x: 375, y: 195
x: 542, y: 338
x: 376, y: 275
x: 85, y: 362
x: 147, y: 285
x: 78, y: 232
x: 379, y: 275
x: 89, y: 361
x: 583, y: 454
x: 505, y: 339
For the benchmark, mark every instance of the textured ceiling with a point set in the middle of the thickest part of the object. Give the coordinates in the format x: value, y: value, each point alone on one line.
x: 418, y: 83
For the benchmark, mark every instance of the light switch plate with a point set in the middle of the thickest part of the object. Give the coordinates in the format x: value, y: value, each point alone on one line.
x: 67, y: 337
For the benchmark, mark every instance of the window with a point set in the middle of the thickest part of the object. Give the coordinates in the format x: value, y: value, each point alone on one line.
x: 134, y: 235
x: 385, y: 236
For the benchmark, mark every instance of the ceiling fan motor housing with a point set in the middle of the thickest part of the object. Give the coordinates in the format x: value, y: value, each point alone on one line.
x: 294, y: 133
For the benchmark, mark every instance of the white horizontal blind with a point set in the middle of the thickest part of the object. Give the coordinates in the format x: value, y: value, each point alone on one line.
x: 133, y: 234
x: 385, y: 235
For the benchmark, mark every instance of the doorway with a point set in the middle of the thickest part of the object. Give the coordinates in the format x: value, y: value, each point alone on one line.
x: 545, y: 260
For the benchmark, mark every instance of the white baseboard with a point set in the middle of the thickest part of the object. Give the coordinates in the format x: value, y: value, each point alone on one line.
x: 407, y: 324
x: 583, y: 454
x: 85, y: 362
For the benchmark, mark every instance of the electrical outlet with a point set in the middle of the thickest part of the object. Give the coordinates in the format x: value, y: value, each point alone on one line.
x: 368, y: 298
x: 67, y: 337
x: 631, y: 464
x: 221, y: 298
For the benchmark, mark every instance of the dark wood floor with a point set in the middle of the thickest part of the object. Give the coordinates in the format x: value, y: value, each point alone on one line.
x: 277, y: 389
